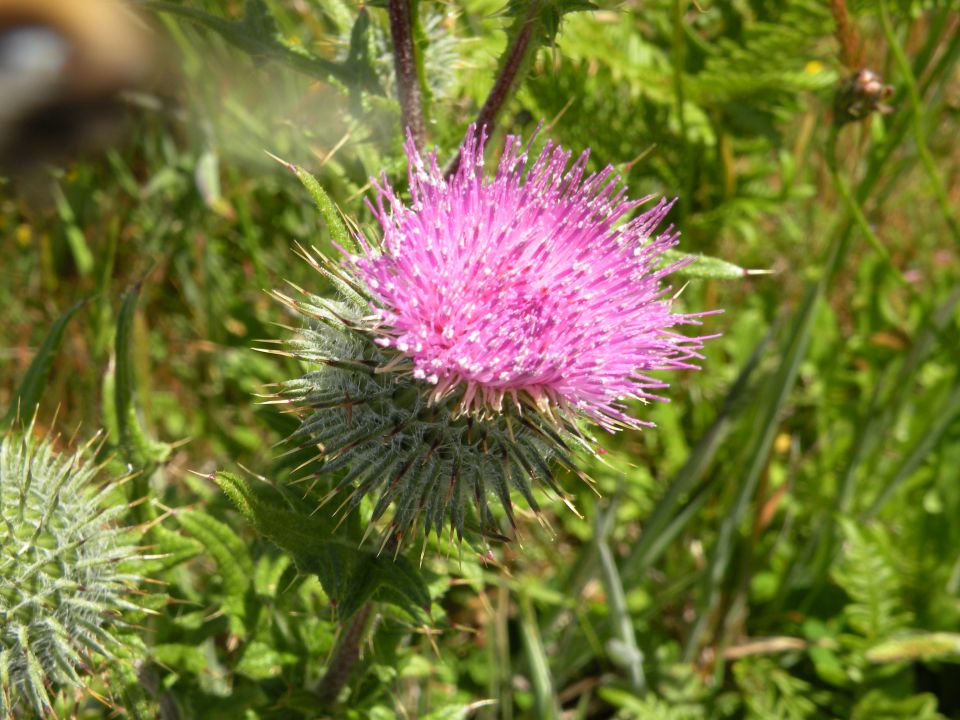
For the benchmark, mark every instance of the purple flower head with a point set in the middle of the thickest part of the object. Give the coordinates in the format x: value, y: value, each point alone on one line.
x: 532, y: 286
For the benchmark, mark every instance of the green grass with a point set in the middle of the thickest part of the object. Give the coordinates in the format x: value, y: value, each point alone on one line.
x: 783, y: 545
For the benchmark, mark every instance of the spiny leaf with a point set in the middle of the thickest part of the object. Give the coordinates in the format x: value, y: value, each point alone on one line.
x: 349, y: 575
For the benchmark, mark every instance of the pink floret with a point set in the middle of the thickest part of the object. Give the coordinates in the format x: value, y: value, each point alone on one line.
x: 528, y: 286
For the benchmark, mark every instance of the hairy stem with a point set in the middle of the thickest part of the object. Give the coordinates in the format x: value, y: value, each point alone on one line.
x: 514, y: 61
x: 405, y: 63
x: 345, y: 656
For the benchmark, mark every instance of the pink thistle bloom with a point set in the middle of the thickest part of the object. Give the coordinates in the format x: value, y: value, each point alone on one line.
x: 531, y: 286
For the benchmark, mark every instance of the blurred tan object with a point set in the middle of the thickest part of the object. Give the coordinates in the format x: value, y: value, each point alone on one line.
x: 62, y: 65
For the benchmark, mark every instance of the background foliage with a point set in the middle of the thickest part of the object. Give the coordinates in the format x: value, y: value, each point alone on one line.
x: 783, y: 545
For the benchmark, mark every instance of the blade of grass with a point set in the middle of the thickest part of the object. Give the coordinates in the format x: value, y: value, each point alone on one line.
x: 543, y: 691
x: 650, y: 545
x: 31, y: 387
x: 631, y: 654
x: 755, y: 460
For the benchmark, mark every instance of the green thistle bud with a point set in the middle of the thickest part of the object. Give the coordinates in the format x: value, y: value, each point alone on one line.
x: 381, y: 434
x: 62, y: 584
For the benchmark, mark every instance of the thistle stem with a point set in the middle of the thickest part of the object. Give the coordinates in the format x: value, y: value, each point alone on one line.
x: 405, y: 64
x: 345, y: 655
x: 513, y: 62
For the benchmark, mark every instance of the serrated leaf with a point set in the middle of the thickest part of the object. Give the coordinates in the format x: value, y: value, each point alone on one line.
x: 350, y: 576
x: 31, y: 387
x: 233, y: 563
x: 256, y: 35
x: 138, y: 448
x: 359, y: 60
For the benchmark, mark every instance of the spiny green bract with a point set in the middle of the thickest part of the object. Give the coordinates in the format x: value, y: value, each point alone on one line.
x: 62, y: 587
x: 379, y: 433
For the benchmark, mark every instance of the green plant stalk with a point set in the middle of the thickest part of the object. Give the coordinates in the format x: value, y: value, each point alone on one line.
x: 916, y: 117
x: 103, y: 317
x: 513, y: 65
x: 499, y: 655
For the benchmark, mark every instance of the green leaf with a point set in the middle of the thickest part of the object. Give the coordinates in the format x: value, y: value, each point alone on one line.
x: 548, y: 14
x: 256, y: 34
x: 138, y: 448
x: 199, y: 661
x: 233, y: 563
x: 31, y: 387
x: 350, y: 575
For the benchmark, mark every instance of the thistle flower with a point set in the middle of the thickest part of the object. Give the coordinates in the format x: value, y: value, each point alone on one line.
x: 492, y: 317
x: 62, y: 587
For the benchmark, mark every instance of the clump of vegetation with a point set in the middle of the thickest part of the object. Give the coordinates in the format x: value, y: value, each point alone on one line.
x: 782, y: 545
